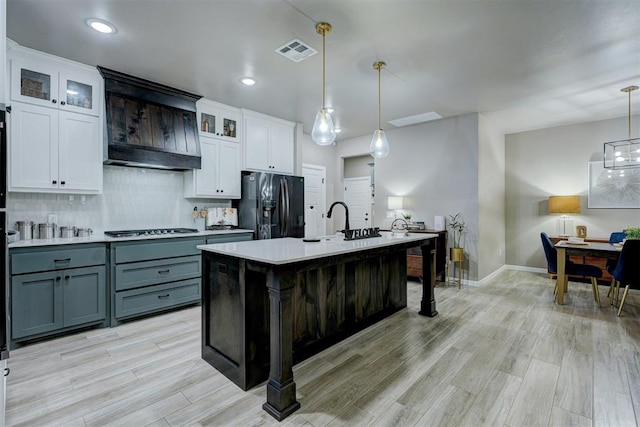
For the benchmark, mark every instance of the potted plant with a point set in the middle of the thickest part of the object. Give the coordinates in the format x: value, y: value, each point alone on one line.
x: 632, y: 233
x: 407, y: 217
x: 457, y: 226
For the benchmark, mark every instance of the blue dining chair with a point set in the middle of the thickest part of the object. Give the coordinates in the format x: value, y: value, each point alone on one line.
x: 571, y: 268
x: 615, y: 237
x: 627, y: 272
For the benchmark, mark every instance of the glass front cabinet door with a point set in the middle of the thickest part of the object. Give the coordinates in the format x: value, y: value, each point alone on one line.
x: 79, y: 93
x: 42, y: 84
x: 219, y: 121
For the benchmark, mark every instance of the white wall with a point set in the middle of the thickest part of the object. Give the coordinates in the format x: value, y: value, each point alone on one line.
x: 550, y: 162
x: 434, y: 166
x: 356, y: 167
x: 311, y: 153
x: 491, y: 196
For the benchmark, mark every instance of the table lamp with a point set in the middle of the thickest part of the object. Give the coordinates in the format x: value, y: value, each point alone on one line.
x: 564, y: 205
x: 394, y: 203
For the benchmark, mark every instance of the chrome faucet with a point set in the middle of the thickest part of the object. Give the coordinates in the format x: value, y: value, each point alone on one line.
x: 404, y: 223
x: 346, y: 213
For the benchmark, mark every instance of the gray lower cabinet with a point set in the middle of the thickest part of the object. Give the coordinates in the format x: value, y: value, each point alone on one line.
x: 149, y: 276
x: 56, y: 289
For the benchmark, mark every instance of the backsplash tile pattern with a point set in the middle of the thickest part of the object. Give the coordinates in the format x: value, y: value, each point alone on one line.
x: 132, y: 198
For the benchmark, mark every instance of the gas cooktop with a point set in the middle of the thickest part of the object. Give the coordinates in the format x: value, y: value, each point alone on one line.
x: 149, y: 232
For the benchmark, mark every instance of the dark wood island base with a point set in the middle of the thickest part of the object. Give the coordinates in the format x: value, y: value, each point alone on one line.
x: 259, y: 318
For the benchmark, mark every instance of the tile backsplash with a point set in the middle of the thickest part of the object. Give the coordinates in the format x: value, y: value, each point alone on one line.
x: 132, y: 198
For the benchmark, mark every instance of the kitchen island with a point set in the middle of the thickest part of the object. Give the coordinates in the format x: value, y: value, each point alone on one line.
x: 268, y: 304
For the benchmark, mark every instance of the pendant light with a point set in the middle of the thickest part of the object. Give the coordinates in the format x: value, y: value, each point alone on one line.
x: 379, y: 147
x: 623, y: 154
x: 323, y: 132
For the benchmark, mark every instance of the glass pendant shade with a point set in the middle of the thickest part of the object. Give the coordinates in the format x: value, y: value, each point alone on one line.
x: 379, y: 147
x: 323, y: 132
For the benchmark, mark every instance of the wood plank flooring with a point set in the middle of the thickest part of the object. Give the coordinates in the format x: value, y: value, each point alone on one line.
x: 500, y: 355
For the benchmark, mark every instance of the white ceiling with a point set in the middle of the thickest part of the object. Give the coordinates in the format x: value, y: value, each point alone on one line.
x: 527, y: 64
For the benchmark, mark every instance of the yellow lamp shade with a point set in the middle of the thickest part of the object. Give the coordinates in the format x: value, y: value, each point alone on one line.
x: 564, y: 204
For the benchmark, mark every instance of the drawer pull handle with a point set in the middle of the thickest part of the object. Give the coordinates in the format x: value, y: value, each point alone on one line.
x: 164, y: 271
x: 7, y: 371
x: 165, y: 296
x: 62, y: 260
x: 58, y: 278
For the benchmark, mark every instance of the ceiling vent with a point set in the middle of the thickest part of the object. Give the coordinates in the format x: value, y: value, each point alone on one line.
x: 296, y: 50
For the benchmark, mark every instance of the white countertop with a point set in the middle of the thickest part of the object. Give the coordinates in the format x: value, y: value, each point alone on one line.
x: 101, y: 238
x: 289, y: 250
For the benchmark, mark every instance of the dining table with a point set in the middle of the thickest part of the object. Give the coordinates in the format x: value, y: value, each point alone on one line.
x: 565, y: 248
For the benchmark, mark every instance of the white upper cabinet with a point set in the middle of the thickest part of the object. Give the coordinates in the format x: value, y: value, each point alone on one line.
x: 219, y: 177
x: 50, y: 86
x: 55, y: 143
x: 269, y: 143
x: 54, y: 151
x: 220, y: 121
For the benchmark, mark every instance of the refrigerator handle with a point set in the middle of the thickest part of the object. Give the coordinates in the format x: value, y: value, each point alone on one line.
x: 282, y: 210
x: 287, y: 216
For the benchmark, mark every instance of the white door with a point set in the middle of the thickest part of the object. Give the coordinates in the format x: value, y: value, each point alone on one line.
x: 314, y: 199
x: 281, y: 149
x: 256, y: 145
x: 33, y: 147
x: 357, y: 195
x: 80, y: 152
x: 205, y: 177
x: 229, y: 178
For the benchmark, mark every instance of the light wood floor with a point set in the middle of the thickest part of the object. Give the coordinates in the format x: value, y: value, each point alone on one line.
x: 500, y: 355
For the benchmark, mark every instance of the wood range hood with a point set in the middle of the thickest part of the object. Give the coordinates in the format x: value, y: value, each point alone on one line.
x: 149, y: 124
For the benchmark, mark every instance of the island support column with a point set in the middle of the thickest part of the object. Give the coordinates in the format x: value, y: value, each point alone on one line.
x: 428, y: 303
x: 281, y: 389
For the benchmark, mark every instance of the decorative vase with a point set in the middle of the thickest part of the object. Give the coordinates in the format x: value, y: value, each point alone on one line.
x: 456, y: 254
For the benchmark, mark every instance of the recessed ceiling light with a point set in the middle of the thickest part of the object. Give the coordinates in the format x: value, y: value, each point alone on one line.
x: 337, y: 130
x: 101, y: 26
x: 248, y: 81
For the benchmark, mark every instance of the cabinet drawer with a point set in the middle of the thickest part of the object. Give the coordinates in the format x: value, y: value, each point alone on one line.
x: 57, y: 258
x: 153, y: 298
x: 225, y: 238
x: 148, y: 250
x: 139, y: 274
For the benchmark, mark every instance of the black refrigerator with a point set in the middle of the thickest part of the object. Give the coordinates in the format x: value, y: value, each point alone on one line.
x: 272, y: 205
x: 4, y: 252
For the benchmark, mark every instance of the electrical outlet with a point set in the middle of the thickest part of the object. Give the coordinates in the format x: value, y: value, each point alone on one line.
x: 389, y: 214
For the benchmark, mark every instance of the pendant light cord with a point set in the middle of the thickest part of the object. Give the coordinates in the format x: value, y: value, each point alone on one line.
x: 629, y: 118
x: 379, y: 97
x: 323, y: 67
x: 379, y: 66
